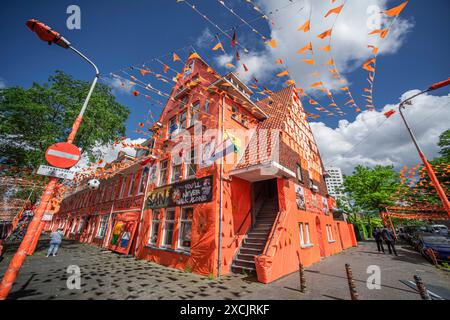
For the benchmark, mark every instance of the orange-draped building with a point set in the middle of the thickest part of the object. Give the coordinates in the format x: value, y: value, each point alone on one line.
x: 225, y: 184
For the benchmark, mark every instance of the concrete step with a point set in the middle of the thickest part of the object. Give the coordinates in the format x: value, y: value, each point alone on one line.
x: 252, y: 245
x: 246, y: 257
x: 252, y: 251
x: 243, y: 270
x: 243, y: 263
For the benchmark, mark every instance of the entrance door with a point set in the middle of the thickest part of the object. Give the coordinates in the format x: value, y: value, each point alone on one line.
x: 340, y: 235
x: 320, y: 237
x: 264, y: 193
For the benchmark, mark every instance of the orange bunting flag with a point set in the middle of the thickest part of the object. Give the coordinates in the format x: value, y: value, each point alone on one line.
x: 317, y: 84
x: 389, y: 113
x: 144, y: 71
x: 307, y: 47
x: 374, y: 49
x: 245, y: 67
x: 141, y: 124
x: 272, y: 43
x: 165, y: 68
x: 383, y: 32
x: 330, y: 62
x: 230, y: 65
x: 367, y: 90
x: 325, y: 34
x: 278, y: 61
x: 344, y: 89
x: 176, y: 57
x: 311, y: 101
x: 283, y: 73
x: 309, y: 61
x: 326, y: 48
x: 289, y: 82
x: 336, y: 10
x: 218, y: 46
x: 135, y: 93
x: 193, y: 56
x: 305, y: 27
x: 367, y: 65
x: 396, y: 11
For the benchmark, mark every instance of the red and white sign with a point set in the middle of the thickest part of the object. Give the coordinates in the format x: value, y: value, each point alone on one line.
x: 63, y: 155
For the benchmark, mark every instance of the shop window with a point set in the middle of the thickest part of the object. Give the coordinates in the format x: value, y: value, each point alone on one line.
x: 169, y: 224
x: 153, y: 239
x: 304, y: 234
x: 143, y: 180
x: 102, y: 226
x: 192, y: 165
x: 163, y: 173
x: 173, y: 126
x: 131, y: 188
x: 183, y: 119
x: 194, y: 113
x: 299, y: 173
x: 184, y: 240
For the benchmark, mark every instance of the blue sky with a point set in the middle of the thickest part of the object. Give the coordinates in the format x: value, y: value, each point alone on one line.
x: 117, y: 34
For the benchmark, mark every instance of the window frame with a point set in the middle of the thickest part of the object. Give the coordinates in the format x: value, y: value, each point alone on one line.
x: 184, y: 222
x: 194, y: 106
x: 167, y: 222
x: 101, y: 230
x: 154, y: 220
x: 162, y: 181
x: 192, y: 163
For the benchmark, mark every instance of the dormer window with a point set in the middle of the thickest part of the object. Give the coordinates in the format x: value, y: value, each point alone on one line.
x: 235, y: 112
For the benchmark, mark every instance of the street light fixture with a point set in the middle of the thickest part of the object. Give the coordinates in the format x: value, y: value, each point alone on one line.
x: 45, y: 33
x: 430, y: 171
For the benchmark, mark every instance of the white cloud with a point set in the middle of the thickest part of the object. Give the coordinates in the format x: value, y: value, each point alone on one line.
x: 387, y: 143
x: 119, y: 85
x: 349, y: 41
x: 108, y: 153
x: 206, y: 39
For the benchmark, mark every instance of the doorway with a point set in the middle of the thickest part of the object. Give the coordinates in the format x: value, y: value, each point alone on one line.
x: 320, y: 237
x: 264, y: 193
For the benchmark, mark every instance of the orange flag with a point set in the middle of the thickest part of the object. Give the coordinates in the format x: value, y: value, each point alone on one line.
x: 396, y: 11
x: 374, y: 49
x: 367, y: 65
x: 144, y: 71
x: 389, y: 113
x: 218, y: 46
x: 307, y: 47
x: 325, y: 34
x: 336, y: 10
x: 344, y: 88
x: 309, y: 61
x: 283, y: 73
x: 278, y: 61
x: 194, y: 55
x: 272, y: 43
x: 317, y: 84
x: 176, y: 57
x: 326, y: 48
x: 330, y: 62
x: 305, y: 27
x: 165, y: 67
x: 289, y: 82
x: 311, y: 101
x: 383, y: 32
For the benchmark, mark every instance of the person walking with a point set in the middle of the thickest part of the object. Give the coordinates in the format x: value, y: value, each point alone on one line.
x: 389, y: 239
x: 55, y: 242
x: 378, y: 239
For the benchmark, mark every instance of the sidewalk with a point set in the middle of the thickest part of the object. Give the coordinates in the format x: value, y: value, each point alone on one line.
x: 106, y: 275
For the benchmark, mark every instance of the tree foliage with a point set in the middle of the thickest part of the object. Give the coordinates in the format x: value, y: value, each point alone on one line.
x: 33, y: 119
x: 372, y: 188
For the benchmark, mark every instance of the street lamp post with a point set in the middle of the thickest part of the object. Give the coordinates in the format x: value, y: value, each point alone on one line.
x: 430, y: 171
x: 46, y: 34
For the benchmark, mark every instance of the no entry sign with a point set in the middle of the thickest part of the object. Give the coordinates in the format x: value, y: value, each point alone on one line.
x: 63, y: 155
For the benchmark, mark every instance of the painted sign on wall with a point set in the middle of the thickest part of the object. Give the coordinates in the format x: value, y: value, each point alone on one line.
x: 184, y: 193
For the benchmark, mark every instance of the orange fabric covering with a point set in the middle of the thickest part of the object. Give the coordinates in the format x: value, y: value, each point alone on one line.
x: 284, y: 253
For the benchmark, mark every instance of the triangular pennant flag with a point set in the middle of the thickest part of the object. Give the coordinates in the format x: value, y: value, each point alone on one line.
x: 305, y: 27
x: 309, y: 61
x: 272, y: 43
x: 233, y: 39
x: 307, y: 47
x: 176, y: 57
x: 383, y: 32
x: 194, y: 55
x: 278, y: 61
x: 336, y: 10
x: 317, y: 84
x: 326, y: 48
x: 325, y: 34
x: 283, y: 73
x: 218, y: 46
x: 165, y: 67
x: 395, y: 11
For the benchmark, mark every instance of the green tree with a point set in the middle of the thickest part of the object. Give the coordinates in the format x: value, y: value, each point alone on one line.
x: 444, y: 143
x: 372, y: 188
x: 33, y: 119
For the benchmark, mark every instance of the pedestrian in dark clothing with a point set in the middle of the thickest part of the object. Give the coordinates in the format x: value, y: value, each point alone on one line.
x: 378, y: 239
x: 389, y: 239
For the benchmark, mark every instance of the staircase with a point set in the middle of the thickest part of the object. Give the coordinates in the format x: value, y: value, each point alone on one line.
x: 256, y: 239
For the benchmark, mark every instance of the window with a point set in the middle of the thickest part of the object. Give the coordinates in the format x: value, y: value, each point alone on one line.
x: 193, y: 113
x: 184, y: 101
x: 299, y: 173
x: 183, y: 117
x: 102, y: 226
x: 163, y: 173
x: 131, y: 188
x: 244, y: 121
x: 122, y: 187
x: 184, y: 240
x: 80, y: 226
x: 168, y: 227
x: 235, y: 112
x: 143, y: 180
x: 206, y: 106
x: 192, y: 165
x: 330, y: 236
x: 153, y: 239
x: 304, y: 234
x: 176, y: 173
x: 173, y: 126
x: 74, y: 225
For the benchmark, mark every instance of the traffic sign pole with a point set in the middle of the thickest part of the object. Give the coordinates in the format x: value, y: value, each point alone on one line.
x: 20, y: 256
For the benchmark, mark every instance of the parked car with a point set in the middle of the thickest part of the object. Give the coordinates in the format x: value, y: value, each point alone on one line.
x: 440, y: 229
x: 408, y: 233
x: 416, y: 238
x: 439, y: 244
